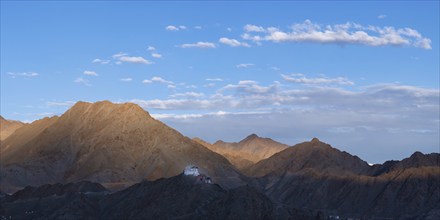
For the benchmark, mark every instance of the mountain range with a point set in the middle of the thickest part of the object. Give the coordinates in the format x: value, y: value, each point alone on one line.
x: 119, y: 147
x: 113, y: 144
x: 8, y: 127
x: 247, y: 152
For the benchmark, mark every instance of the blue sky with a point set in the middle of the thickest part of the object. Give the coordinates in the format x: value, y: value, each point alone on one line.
x: 363, y: 76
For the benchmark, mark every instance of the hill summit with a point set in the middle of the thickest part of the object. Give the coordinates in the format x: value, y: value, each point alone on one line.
x: 106, y: 143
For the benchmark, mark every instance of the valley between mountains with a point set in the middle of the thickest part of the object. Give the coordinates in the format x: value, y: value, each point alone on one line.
x: 114, y: 161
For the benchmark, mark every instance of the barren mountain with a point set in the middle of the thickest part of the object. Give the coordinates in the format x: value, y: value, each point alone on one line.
x: 110, y: 144
x: 246, y: 152
x: 313, y: 175
x: 7, y: 127
x: 179, y: 197
x: 26, y: 133
x: 310, y: 156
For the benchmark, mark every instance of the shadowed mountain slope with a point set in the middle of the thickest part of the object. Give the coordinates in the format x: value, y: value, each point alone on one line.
x: 314, y: 155
x: 179, y: 197
x: 313, y: 175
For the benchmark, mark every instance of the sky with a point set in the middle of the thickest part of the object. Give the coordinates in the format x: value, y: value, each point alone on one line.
x: 361, y: 76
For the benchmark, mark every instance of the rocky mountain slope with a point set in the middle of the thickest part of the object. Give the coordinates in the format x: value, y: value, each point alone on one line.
x: 7, y: 127
x: 106, y: 143
x: 246, y: 152
x: 313, y: 175
x: 26, y: 133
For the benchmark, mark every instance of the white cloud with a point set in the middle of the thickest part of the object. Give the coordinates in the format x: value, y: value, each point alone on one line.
x: 299, y: 78
x: 199, y: 45
x: 156, y: 55
x: 171, y: 28
x: 90, y: 73
x: 198, y: 27
x: 244, y: 65
x: 229, y: 29
x: 118, y: 55
x: 175, y: 28
x: 191, y: 87
x: 250, y: 89
x: 23, y: 74
x: 253, y: 28
x: 233, y: 42
x: 157, y: 79
x: 62, y: 104
x: 100, y: 61
x: 348, y: 33
x: 161, y: 80
x: 126, y: 79
x: 151, y: 48
x: 381, y: 16
x: 214, y: 79
x: 387, y: 117
x: 187, y: 95
x: 134, y: 60
x: 83, y: 81
x: 124, y: 58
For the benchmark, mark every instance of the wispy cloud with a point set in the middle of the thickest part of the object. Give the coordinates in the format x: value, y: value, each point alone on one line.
x: 253, y: 28
x: 161, y: 80
x: 244, y: 65
x: 124, y: 58
x: 135, y: 60
x: 389, y: 115
x: 233, y: 42
x: 187, y: 95
x: 90, y: 73
x: 199, y: 45
x: 175, y: 28
x: 62, y: 104
x: 100, y: 61
x: 171, y: 28
x: 156, y: 55
x: 300, y: 78
x: 82, y: 81
x: 151, y: 48
x: 348, y: 33
x: 22, y: 74
x: 214, y: 79
x: 249, y: 87
x: 126, y: 79
x: 157, y: 79
x: 382, y: 16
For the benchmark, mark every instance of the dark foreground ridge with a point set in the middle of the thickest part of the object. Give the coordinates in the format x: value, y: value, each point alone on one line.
x: 179, y: 197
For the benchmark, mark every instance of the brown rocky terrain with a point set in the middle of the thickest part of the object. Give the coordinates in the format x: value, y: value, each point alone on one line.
x: 120, y: 144
x: 313, y: 175
x: 7, y: 127
x: 246, y: 152
x: 106, y: 143
x: 26, y: 133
